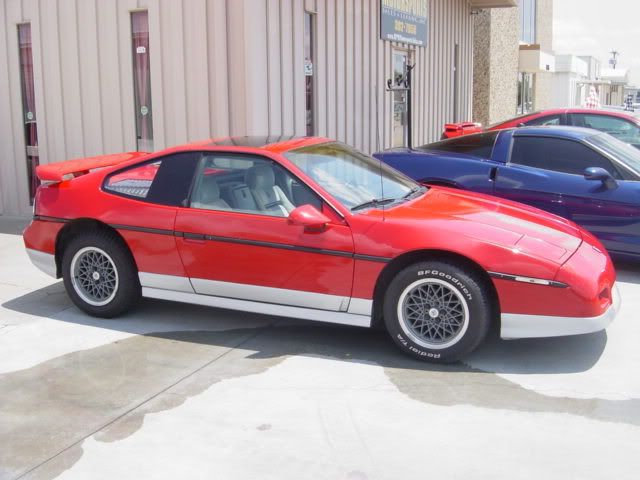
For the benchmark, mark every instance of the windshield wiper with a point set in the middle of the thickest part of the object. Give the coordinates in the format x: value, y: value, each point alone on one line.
x: 413, y: 191
x: 374, y: 202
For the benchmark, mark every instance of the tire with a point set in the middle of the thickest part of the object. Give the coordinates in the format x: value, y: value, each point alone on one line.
x: 438, y: 310
x: 100, y: 275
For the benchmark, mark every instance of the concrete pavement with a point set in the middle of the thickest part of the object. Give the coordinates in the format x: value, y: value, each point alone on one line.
x: 173, y: 390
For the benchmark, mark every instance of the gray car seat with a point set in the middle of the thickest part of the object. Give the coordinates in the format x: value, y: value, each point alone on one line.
x: 208, y: 195
x: 268, y: 196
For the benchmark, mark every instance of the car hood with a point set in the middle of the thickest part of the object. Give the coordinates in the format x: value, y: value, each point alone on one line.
x: 493, y: 220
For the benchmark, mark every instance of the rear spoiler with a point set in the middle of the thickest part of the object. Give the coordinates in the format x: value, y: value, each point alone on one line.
x: 463, y: 128
x: 61, y: 171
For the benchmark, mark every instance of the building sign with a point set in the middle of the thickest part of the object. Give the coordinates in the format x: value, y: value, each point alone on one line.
x: 404, y: 21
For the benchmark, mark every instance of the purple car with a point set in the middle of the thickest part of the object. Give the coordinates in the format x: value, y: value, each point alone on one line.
x: 581, y: 174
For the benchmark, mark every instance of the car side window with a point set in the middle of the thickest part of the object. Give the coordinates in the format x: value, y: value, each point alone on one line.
x: 620, y: 128
x: 248, y: 184
x: 545, y: 120
x: 560, y: 155
x: 165, y: 181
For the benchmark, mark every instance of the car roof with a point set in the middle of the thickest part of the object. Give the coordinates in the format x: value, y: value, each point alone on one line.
x: 275, y: 144
x: 592, y: 111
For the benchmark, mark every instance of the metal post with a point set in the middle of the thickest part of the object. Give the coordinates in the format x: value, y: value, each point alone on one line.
x: 409, y: 108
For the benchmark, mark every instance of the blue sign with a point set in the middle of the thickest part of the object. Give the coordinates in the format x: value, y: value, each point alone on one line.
x: 404, y: 21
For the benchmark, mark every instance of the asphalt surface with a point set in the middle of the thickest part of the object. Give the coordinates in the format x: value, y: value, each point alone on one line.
x: 179, y: 391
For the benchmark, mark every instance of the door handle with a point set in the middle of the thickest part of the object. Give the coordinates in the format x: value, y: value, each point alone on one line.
x: 493, y: 173
x: 194, y: 237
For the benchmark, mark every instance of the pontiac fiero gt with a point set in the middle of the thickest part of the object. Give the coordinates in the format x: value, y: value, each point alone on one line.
x: 312, y: 229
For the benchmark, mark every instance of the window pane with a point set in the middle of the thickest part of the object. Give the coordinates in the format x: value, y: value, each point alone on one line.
x: 28, y: 106
x: 546, y: 120
x: 348, y: 175
x: 559, y: 155
x: 618, y: 127
x: 309, y: 73
x: 528, y: 21
x: 142, y: 80
x: 134, y: 182
x: 249, y: 185
x: 165, y: 181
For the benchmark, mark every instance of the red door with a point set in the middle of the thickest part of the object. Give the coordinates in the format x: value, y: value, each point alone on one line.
x: 235, y: 245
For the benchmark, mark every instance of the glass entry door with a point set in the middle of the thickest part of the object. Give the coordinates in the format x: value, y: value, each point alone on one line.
x: 400, y: 61
x: 142, y: 81
x: 525, y: 93
x: 29, y: 107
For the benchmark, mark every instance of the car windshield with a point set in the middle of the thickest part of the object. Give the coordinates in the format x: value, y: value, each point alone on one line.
x: 618, y: 149
x: 353, y: 178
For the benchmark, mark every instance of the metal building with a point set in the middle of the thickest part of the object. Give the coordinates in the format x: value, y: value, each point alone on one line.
x: 90, y: 77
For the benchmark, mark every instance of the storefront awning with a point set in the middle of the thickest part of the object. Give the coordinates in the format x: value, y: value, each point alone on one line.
x: 534, y: 60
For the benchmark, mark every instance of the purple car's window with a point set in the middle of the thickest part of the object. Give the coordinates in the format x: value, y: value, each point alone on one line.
x: 623, y: 152
x: 559, y: 155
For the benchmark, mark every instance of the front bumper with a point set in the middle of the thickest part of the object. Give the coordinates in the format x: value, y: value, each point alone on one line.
x: 533, y: 326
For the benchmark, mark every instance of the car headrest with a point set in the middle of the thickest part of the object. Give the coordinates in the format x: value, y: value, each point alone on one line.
x: 209, y: 189
x: 260, y: 177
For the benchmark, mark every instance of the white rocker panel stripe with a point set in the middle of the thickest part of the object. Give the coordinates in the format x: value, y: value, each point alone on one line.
x: 165, y: 282
x: 44, y: 261
x: 259, y: 293
x: 257, y: 307
x: 536, y: 326
x: 259, y: 299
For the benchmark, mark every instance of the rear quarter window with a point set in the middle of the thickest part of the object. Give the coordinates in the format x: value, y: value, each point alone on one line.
x: 166, y: 180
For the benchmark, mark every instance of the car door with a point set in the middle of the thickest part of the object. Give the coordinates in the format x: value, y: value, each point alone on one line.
x: 621, y: 128
x: 548, y: 173
x: 236, y: 240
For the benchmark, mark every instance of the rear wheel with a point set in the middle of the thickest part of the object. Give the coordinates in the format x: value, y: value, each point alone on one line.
x: 99, y: 274
x: 437, y: 311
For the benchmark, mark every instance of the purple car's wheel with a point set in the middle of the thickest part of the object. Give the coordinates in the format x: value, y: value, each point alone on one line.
x: 438, y: 310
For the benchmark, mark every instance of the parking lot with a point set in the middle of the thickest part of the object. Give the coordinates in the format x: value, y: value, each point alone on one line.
x: 181, y: 391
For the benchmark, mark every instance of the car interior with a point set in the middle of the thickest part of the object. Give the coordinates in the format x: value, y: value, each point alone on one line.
x: 249, y: 186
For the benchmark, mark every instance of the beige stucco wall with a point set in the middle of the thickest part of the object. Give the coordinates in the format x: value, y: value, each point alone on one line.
x: 218, y: 67
x: 495, y: 65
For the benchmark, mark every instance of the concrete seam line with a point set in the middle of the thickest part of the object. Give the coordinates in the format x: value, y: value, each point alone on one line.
x: 112, y: 421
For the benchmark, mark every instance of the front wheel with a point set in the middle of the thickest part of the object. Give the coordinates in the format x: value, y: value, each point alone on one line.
x: 100, y: 275
x: 437, y: 311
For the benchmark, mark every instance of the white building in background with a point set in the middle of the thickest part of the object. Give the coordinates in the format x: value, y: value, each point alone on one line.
x: 613, y: 93
x: 569, y: 82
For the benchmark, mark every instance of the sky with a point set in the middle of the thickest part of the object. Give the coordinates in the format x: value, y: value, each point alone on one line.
x: 595, y: 27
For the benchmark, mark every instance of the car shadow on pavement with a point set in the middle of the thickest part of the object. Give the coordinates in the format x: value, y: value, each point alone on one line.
x: 628, y: 271
x: 13, y: 225
x: 281, y: 337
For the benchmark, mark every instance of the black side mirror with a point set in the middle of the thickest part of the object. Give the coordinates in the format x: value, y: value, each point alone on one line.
x: 598, y: 173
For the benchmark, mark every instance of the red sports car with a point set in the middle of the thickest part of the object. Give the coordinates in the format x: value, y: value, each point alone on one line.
x: 310, y: 228
x: 621, y: 125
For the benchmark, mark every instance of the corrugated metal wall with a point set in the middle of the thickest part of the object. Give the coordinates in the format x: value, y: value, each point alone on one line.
x: 218, y: 67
